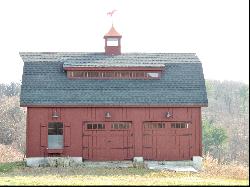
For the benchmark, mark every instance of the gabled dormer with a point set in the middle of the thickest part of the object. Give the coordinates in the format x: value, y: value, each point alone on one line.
x: 112, y: 42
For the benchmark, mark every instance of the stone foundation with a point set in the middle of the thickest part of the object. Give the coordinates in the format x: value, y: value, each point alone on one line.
x: 137, y: 162
x: 53, y: 161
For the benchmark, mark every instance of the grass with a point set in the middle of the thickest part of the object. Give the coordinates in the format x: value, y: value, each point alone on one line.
x: 17, y: 174
x: 9, y: 166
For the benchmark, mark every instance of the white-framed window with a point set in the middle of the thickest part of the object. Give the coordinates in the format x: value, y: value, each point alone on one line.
x: 55, y: 135
x: 112, y: 42
x: 153, y: 75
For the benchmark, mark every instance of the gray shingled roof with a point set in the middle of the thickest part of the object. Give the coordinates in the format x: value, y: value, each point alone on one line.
x: 44, y: 81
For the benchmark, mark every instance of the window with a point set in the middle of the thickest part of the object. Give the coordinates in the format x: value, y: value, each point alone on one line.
x: 95, y: 126
x: 120, y: 125
x: 114, y: 74
x: 78, y: 74
x: 55, y: 135
x: 154, y: 125
x: 179, y: 125
x: 92, y: 74
x: 153, y: 75
x: 108, y: 74
x: 112, y: 42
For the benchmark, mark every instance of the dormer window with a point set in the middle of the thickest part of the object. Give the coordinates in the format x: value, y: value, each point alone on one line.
x: 115, y: 74
x: 153, y: 75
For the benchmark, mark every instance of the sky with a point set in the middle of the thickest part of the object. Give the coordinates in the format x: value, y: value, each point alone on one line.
x: 216, y: 30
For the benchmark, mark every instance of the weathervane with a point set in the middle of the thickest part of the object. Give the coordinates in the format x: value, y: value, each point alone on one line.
x: 111, y: 14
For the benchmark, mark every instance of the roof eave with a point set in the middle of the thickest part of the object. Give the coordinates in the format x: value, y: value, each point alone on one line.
x: 112, y: 105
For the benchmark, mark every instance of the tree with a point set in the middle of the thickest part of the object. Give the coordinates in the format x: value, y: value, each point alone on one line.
x: 214, y: 138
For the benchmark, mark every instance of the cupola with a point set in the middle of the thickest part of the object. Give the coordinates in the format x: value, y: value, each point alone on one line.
x: 112, y: 42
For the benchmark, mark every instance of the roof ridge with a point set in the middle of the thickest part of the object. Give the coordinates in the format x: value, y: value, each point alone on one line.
x: 76, y: 52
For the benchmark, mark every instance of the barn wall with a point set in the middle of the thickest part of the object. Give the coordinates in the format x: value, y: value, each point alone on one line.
x: 73, y: 118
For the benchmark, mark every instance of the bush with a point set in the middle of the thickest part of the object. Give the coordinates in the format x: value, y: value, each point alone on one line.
x: 6, y: 167
x: 9, y: 154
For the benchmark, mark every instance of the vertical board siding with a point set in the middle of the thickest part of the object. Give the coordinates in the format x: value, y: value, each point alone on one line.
x: 67, y: 135
x: 44, y: 135
x: 75, y: 142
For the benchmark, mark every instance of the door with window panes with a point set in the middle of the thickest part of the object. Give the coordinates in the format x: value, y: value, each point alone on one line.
x: 108, y: 141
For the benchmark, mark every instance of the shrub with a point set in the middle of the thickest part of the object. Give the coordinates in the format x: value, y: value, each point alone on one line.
x: 9, y: 154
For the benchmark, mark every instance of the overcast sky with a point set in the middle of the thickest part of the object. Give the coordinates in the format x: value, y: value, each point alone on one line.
x: 216, y: 30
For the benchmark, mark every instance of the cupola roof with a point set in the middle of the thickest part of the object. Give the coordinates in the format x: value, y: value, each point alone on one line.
x: 112, y: 32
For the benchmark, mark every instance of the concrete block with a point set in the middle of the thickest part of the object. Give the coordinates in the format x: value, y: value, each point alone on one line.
x: 35, y: 161
x: 197, y: 162
x: 138, y: 159
x: 138, y: 162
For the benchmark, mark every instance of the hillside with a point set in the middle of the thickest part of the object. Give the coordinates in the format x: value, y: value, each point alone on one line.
x: 228, y: 108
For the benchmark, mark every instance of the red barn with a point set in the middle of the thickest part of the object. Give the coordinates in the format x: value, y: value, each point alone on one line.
x: 113, y: 105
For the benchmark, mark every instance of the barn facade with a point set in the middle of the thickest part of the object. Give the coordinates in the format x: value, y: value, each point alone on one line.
x: 112, y: 105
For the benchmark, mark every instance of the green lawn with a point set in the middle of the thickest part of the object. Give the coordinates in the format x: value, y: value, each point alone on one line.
x: 18, y: 174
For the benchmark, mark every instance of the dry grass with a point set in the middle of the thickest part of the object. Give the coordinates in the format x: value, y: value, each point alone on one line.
x: 213, y: 174
x: 9, y: 154
x: 109, y: 176
x: 234, y: 170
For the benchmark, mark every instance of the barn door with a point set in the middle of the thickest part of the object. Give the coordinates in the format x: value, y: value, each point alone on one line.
x: 107, y: 141
x: 154, y: 141
x: 185, y: 147
x: 120, y: 141
x: 94, y: 141
x: 167, y: 141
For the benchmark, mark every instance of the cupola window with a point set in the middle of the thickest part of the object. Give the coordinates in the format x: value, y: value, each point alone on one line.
x: 112, y: 42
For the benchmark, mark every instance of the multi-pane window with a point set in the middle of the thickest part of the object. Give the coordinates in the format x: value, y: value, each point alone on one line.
x: 95, y: 126
x: 154, y: 125
x: 120, y: 125
x: 115, y: 74
x: 55, y: 135
x: 179, y: 125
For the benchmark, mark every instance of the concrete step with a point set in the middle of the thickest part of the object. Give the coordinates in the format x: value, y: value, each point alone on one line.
x: 172, y: 163
x: 172, y: 168
x: 108, y: 164
x: 186, y: 165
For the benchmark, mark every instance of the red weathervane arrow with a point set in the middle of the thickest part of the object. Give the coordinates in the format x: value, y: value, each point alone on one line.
x: 111, y: 13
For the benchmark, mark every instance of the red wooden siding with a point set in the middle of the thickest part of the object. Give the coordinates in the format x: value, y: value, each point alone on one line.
x: 44, y: 133
x: 118, y: 143
x: 67, y: 135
